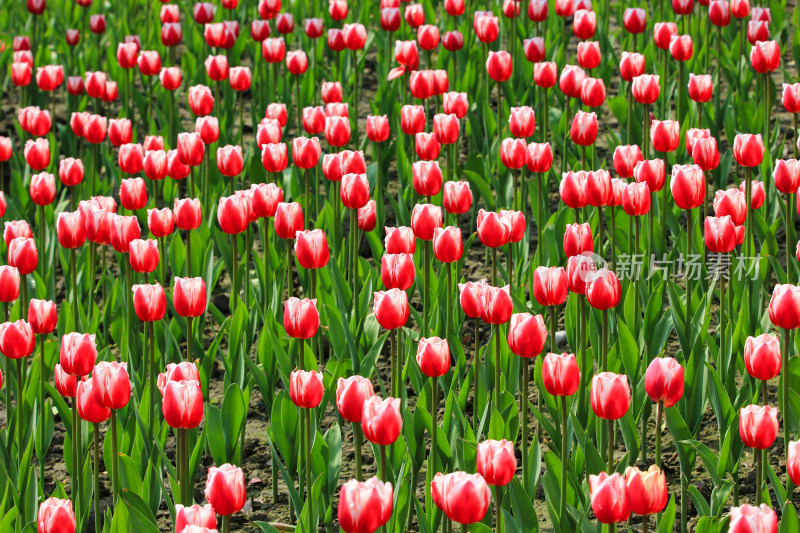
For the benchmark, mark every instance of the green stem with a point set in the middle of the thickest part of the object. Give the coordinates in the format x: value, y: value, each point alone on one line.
x: 114, y: 457
x: 264, y: 259
x: 610, y: 446
x: 354, y: 256
x: 426, y: 319
x: 583, y: 346
x: 96, y: 475
x: 498, y: 497
x: 42, y: 410
x: 564, y: 461
x: 539, y: 219
x: 434, y: 423
x: 382, y: 451
x: 497, y: 361
x: 309, y: 497
x: 759, y: 456
x: 551, y: 310
x: 787, y: 340
x: 688, y: 317
x: 659, y: 421
x: 523, y: 409
x: 226, y: 524
x: 235, y: 272
x: 604, y: 340
x: 357, y: 440
x: 152, y: 378
x: 189, y: 339
x: 20, y: 417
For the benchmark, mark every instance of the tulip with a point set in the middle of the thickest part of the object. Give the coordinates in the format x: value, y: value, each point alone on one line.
x: 758, y: 426
x: 550, y: 286
x: 578, y: 269
x: 497, y: 306
x: 301, y: 318
x: 201, y: 101
x: 493, y: 230
x: 603, y: 290
x: 544, y: 75
x: 391, y: 308
x: 16, y: 339
x: 55, y: 515
x: 584, y: 128
x: 636, y: 199
x: 577, y: 239
x: 225, y: 489
x: 625, y: 159
x: 748, y: 149
x: 496, y: 462
x: 182, y: 406
x: 364, y: 507
x: 534, y: 49
x: 486, y: 26
x: 37, y: 153
x: 560, y: 374
x: 610, y: 499
x: 753, y: 518
x: 464, y: 498
x: 189, y: 297
x: 381, y: 420
x: 447, y: 244
x: 647, y: 491
x: 305, y: 388
x: 700, y: 87
x: 9, y: 283
x: 187, y: 213
x: 120, y: 131
x: 196, y: 515
x: 720, y: 234
x: 498, y: 66
x: 78, y: 353
x: 526, y: 335
x: 762, y: 356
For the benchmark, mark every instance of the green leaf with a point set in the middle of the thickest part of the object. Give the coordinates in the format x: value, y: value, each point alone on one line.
x: 668, y: 518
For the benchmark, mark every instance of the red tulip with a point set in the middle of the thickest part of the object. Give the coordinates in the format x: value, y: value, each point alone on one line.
x: 43, y: 188
x: 497, y: 306
x: 288, y: 219
x: 201, y: 101
x: 457, y: 197
x: 758, y: 426
x: 731, y: 202
x: 663, y: 381
x: 265, y: 199
x: 603, y: 289
x: 399, y: 240
x: 5, y: 149
x: 496, y: 462
x: 527, y: 334
x: 21, y: 73
x: 230, y: 161
x: 284, y: 23
x: 149, y: 62
x: 499, y: 66
x: 584, y: 23
x: 647, y: 491
x: 49, y: 77
x: 300, y: 318
x: 793, y: 462
x: 71, y: 230
x: 111, y: 384
x: 720, y: 234
x: 598, y: 188
x: 464, y: 498
x: 534, y: 49
x: 631, y: 67
x: 412, y: 119
x: 749, y: 518
x: 577, y: 239
x: 149, y: 301
x: 486, y: 26
x: 67, y: 387
x: 446, y: 128
x: 55, y: 515
x: 513, y: 153
x: 14, y: 229
x: 381, y: 420
x: 351, y: 393
x: 182, y: 404
x: 391, y: 308
x: 428, y: 36
x: 195, y: 515
x: 550, y: 285
x: 589, y: 54
x: 663, y: 33
x: 187, y: 213
x: 37, y: 153
x: 189, y: 297
x: 355, y: 36
x: 311, y: 248
x: 337, y: 131
x: 634, y: 19
x: 233, y: 214
x: 762, y: 356
x: 471, y: 298
x: 791, y: 97
x: 364, y: 507
x: 544, y: 74
x: 610, y: 396
x: 448, y: 246
x: 493, y: 230
x: 70, y: 171
x: 378, y: 128
x: 397, y: 270
x: 305, y: 388
x: 584, y: 128
x: 748, y: 149
x: 161, y: 222
x: 636, y: 199
x: 700, y: 87
x: 425, y: 218
x: 719, y: 12
x: 560, y: 374
x: 296, y: 62
x: 191, y: 148
x: 225, y: 489
x: 433, y: 356
x: 9, y: 283
x: 78, y: 353
x: 705, y: 153
x: 765, y: 56
x: 336, y: 39
x: 143, y: 255
x: 454, y: 8
x: 16, y: 339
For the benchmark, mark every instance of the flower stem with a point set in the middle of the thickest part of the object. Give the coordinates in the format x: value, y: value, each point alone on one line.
x: 497, y: 366
x: 383, y: 463
x: 114, y: 456
x: 759, y: 456
x: 564, y: 461
x: 659, y: 420
x: 427, y: 288
x: 96, y: 472
x: 498, y: 497
x: 20, y: 417
x: 309, y: 497
x: 42, y: 409
x: 523, y: 409
x: 357, y: 439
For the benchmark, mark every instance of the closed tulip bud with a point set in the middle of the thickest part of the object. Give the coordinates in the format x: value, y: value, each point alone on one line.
x: 331, y: 92
x: 381, y: 420
x: 399, y: 240
x: 21, y: 73
x: 496, y: 462
x: 225, y: 489
x: 191, y: 148
x: 424, y: 219
x: 651, y: 172
x: 337, y: 131
x: 448, y: 246
x: 415, y: 15
x: 427, y: 146
x: 364, y: 507
x: 610, y: 396
x: 336, y: 39
x: 544, y: 74
x: 762, y: 356
x: 731, y: 202
x: 700, y: 87
x: 5, y: 149
x: 765, y: 56
x: 120, y: 131
x: 453, y: 41
x: 131, y: 161
x: 647, y: 491
x: 274, y: 157
x: 636, y: 199
x: 457, y: 197
x: 584, y: 24
x: 284, y: 23
x: 749, y: 518
x: 705, y: 153
x: 368, y: 216
x: 170, y: 78
x: 446, y: 128
x: 265, y: 199
x: 493, y: 230
x: 584, y: 128
x: 9, y: 283
x: 784, y: 306
x: 497, y: 306
x: 149, y: 62
x: 719, y: 12
x: 748, y: 149
x: 305, y: 388
x: 577, y: 239
x: 55, y: 515
x: 355, y: 191
x: 306, y: 152
x: 37, y: 153
x: 625, y: 159
x: 534, y: 49
x: 598, y: 188
x: 663, y: 33
x: 189, y: 297
x: 464, y: 498
x: 78, y: 353
x: 312, y: 27
x: 422, y: 84
x: 300, y: 318
x: 67, y: 387
x: 793, y: 462
x: 311, y: 248
x: 499, y: 66
x: 688, y: 186
x: 513, y: 153
x: 143, y: 255
x: 693, y: 135
x: 609, y: 495
x: 427, y: 177
x: 471, y: 298
x: 550, y: 285
x: 296, y: 62
x: 71, y: 230
x: 314, y: 120
x: 433, y: 356
x: 133, y: 193
x: 791, y: 97
x: 560, y: 374
x: 176, y: 169
x: 351, y: 393
x: 631, y: 67
x: 391, y: 308
x: 187, y: 213
x: 663, y: 381
x: 397, y: 270
x: 412, y: 119
x: 603, y: 289
x: 527, y: 335
x: 269, y: 131
x: 634, y: 20
x: 195, y: 516
x: 428, y: 36
x: 719, y: 234
x: 161, y: 222
x: 230, y: 160
x: 49, y: 77
x: 149, y: 301
x: 486, y: 26
x: 14, y: 229
x: 665, y: 135
x: 233, y: 214
x: 201, y: 101
x: 355, y: 36
x: 787, y: 175
x: 22, y: 254
x: 758, y: 426
x: 757, y: 193
x: 70, y: 171
x: 43, y: 188
x: 288, y: 219
x: 16, y: 339
x: 589, y: 54
x: 35, y: 121
x: 377, y: 128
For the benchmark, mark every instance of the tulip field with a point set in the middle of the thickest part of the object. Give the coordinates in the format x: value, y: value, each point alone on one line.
x: 452, y: 266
